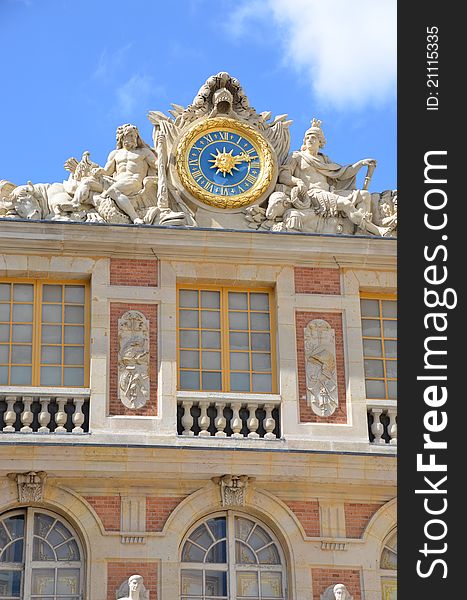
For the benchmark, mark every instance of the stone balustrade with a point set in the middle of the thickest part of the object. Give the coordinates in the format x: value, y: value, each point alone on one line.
x: 382, y: 422
x: 44, y: 413
x: 222, y: 415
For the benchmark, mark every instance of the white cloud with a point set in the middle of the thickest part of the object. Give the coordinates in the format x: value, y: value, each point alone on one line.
x: 110, y: 62
x: 135, y: 92
x: 346, y: 50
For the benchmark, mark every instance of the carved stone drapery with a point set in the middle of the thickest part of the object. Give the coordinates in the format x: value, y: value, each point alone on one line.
x: 321, y: 375
x: 233, y: 489
x: 30, y: 485
x: 133, y: 359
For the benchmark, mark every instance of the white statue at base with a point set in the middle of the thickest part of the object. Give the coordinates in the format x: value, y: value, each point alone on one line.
x: 336, y: 592
x: 133, y: 589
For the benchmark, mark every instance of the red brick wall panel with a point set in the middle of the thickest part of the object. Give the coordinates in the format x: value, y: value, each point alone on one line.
x: 307, y: 513
x: 137, y: 272
x: 357, y: 517
x: 158, y: 510
x: 324, y: 577
x: 335, y: 321
x: 116, y: 407
x: 316, y: 280
x: 117, y: 572
x: 107, y: 509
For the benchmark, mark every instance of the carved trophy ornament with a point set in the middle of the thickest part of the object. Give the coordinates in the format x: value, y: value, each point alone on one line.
x: 133, y: 359
x: 337, y: 591
x: 320, y: 358
x: 30, y: 485
x: 132, y: 589
x: 233, y: 489
x: 217, y: 155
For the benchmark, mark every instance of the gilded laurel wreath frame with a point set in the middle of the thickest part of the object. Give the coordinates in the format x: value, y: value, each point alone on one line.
x: 225, y: 202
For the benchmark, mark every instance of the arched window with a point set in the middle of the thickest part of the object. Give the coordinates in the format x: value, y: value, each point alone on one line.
x: 40, y: 557
x: 231, y: 556
x: 388, y: 566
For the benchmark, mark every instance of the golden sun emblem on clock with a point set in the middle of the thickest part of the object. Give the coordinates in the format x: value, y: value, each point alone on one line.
x: 225, y: 162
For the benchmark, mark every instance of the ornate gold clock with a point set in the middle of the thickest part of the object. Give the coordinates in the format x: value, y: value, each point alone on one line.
x: 225, y: 163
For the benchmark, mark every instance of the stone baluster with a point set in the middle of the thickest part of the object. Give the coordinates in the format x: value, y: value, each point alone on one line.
x: 44, y: 416
x: 220, y: 421
x: 26, y: 415
x: 78, y: 416
x: 204, y: 421
x: 392, y: 427
x: 252, y: 422
x: 10, y: 416
x: 377, y: 429
x: 61, y: 416
x: 187, y: 419
x: 269, y: 423
x: 236, y: 423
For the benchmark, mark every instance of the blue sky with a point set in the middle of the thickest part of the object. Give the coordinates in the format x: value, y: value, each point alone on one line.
x: 74, y: 70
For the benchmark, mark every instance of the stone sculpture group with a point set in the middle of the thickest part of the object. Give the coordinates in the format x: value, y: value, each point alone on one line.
x: 136, y: 185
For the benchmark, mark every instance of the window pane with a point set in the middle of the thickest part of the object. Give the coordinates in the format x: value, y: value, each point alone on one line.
x: 192, y: 553
x: 389, y: 308
x: 259, y: 301
x: 52, y: 293
x: 13, y: 553
x: 260, y: 341
x: 3, y: 375
x: 22, y: 312
x: 189, y: 359
x: 4, y: 333
x: 390, y: 329
x: 74, y: 314
x: 68, y: 581
x: 51, y: 355
x: 269, y: 556
x: 370, y: 308
x: 211, y: 360
x: 23, y: 292
x: 210, y: 339
x: 239, y: 341
x: 375, y: 389
x: 210, y: 299
x: 244, y: 555
x: 372, y: 348
x: 239, y: 361
x: 21, y: 355
x: 212, y: 381
x: 259, y: 321
x: 189, y: 318
x: 374, y: 368
x: 74, y: 334
x: 5, y: 291
x: 201, y: 536
x: 74, y: 293
x: 74, y: 356
x: 210, y: 319
x: 217, y: 554
x: 240, y: 382
x: 188, y: 298
x: 10, y: 582
x: 42, y: 524
x: 68, y: 551
x: 51, y: 376
x: 243, y: 528
x: 390, y: 349
x: 238, y: 300
x: 52, y: 334
x: 391, y: 368
x: 43, y: 581
x: 189, y: 339
x: 218, y: 527
x: 216, y: 583
x: 238, y: 320
x: 247, y: 584
x: 259, y: 538
x: 20, y: 376
x: 271, y: 585
x: 371, y: 328
x: 392, y: 390
x: 5, y: 313
x: 52, y: 313
x: 42, y: 550
x: 4, y: 354
x: 192, y: 581
x: 262, y: 383
x: 22, y: 333
x: 189, y: 380
x: 73, y: 377
x: 261, y: 362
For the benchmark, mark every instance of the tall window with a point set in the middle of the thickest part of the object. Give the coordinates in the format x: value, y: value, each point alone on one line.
x: 379, y: 328
x: 43, y: 339
x: 225, y: 340
x: 388, y: 566
x: 40, y: 557
x: 229, y: 557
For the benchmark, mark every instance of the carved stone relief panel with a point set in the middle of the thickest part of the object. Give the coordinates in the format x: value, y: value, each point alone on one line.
x: 133, y: 359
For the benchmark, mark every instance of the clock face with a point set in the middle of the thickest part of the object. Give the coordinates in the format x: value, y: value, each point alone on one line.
x: 224, y: 163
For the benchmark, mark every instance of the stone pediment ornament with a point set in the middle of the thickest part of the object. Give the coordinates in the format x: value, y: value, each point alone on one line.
x: 30, y: 485
x: 337, y: 591
x: 133, y: 359
x: 233, y: 489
